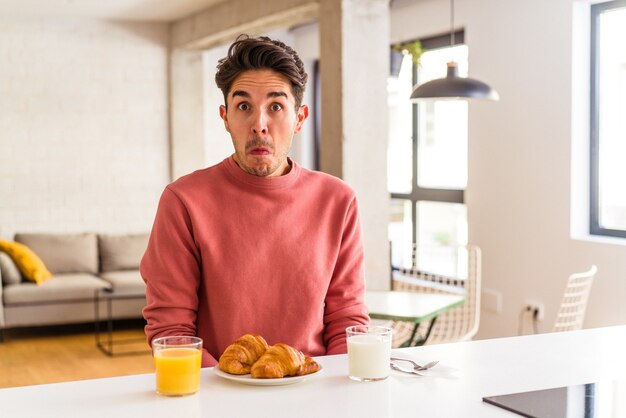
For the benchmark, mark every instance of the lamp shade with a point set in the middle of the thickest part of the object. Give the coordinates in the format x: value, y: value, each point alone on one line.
x: 453, y: 87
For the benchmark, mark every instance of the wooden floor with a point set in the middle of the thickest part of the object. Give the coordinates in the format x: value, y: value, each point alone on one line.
x: 59, y: 354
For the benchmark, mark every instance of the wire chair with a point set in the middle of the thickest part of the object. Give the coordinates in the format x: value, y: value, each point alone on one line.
x: 574, y: 303
x: 457, y: 324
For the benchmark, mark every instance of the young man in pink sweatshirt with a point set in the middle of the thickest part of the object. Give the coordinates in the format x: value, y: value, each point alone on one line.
x: 257, y: 243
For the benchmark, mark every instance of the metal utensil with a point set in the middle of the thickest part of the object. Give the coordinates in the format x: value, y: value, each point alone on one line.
x: 394, y: 366
x: 416, y: 366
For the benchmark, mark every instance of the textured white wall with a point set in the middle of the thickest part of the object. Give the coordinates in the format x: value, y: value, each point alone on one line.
x: 83, y: 124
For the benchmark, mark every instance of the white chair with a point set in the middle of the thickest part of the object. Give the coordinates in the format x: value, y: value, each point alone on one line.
x: 457, y: 324
x: 574, y: 303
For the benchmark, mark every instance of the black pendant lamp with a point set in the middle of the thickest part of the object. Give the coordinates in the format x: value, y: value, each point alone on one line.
x: 453, y: 87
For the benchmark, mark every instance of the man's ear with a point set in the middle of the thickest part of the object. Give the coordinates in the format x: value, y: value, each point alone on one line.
x: 224, y: 117
x: 303, y: 113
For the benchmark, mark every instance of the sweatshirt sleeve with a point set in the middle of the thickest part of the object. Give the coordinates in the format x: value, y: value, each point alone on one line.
x: 345, y: 299
x: 171, y: 269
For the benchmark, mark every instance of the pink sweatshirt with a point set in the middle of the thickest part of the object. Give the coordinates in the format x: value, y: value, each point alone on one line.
x: 231, y: 253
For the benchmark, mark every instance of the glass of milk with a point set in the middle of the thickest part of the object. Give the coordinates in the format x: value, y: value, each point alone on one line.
x: 369, y: 352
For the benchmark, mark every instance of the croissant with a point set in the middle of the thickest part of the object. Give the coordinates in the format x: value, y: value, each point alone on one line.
x: 239, y: 357
x: 282, y: 360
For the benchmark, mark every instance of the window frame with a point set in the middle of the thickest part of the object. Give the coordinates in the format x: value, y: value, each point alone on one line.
x: 594, y: 146
x: 422, y: 193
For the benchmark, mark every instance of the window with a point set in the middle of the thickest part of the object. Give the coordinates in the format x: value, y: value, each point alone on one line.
x: 427, y: 156
x: 608, y: 119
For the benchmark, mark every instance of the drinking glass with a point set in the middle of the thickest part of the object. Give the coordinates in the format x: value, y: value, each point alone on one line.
x: 177, y: 361
x: 369, y: 352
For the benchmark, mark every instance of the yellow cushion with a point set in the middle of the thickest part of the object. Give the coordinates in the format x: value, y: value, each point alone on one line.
x: 31, y: 266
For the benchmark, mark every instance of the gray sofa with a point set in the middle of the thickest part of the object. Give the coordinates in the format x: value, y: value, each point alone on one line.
x: 80, y: 265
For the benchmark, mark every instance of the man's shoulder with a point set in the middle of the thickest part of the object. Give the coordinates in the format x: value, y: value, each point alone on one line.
x: 326, y: 181
x: 201, y: 178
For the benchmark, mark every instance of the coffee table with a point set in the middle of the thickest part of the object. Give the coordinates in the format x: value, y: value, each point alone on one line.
x: 109, y: 296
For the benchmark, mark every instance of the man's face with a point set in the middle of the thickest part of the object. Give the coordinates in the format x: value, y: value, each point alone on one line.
x: 262, y: 120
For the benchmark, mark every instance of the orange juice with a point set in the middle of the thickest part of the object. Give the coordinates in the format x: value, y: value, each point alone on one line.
x: 177, y: 370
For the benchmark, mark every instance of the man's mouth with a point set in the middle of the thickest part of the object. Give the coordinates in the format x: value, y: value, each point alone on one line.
x: 259, y: 151
x: 259, y: 147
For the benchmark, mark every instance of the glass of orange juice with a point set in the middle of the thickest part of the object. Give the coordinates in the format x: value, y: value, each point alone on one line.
x: 177, y: 362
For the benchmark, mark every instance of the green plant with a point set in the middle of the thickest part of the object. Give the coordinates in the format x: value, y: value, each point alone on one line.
x: 442, y: 238
x: 414, y: 48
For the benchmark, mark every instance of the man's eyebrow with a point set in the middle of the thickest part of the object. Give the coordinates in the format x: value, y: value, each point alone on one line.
x: 241, y: 93
x: 277, y: 94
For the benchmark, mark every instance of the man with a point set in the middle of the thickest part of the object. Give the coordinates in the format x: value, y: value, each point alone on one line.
x: 257, y: 244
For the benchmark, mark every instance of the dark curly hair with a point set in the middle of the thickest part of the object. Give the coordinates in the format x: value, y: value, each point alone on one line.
x: 248, y: 53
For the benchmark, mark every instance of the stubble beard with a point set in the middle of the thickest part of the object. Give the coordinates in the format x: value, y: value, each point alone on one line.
x: 266, y: 169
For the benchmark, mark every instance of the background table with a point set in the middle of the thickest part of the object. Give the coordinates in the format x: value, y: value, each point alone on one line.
x: 107, y: 346
x: 466, y: 373
x: 413, y: 307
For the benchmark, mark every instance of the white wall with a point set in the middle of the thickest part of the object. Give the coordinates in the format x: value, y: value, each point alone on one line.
x: 520, y: 149
x: 218, y: 144
x: 83, y: 124
x: 306, y: 42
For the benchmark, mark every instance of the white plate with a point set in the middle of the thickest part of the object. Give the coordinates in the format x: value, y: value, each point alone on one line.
x: 246, y: 379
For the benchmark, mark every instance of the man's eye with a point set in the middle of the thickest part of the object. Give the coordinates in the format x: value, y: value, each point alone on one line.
x: 243, y: 106
x: 276, y: 107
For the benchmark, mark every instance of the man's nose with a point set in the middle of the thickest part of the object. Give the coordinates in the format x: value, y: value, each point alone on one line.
x: 259, y: 125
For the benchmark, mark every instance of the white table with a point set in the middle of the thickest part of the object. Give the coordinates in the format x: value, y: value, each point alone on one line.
x: 413, y: 307
x: 467, y: 372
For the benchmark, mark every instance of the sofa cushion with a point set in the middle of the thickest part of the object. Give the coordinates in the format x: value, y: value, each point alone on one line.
x: 64, y: 253
x: 129, y: 280
x: 29, y: 264
x: 63, y: 288
x: 9, y: 271
x: 121, y: 252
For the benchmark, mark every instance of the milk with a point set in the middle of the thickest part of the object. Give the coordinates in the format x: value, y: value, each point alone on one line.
x: 369, y: 356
